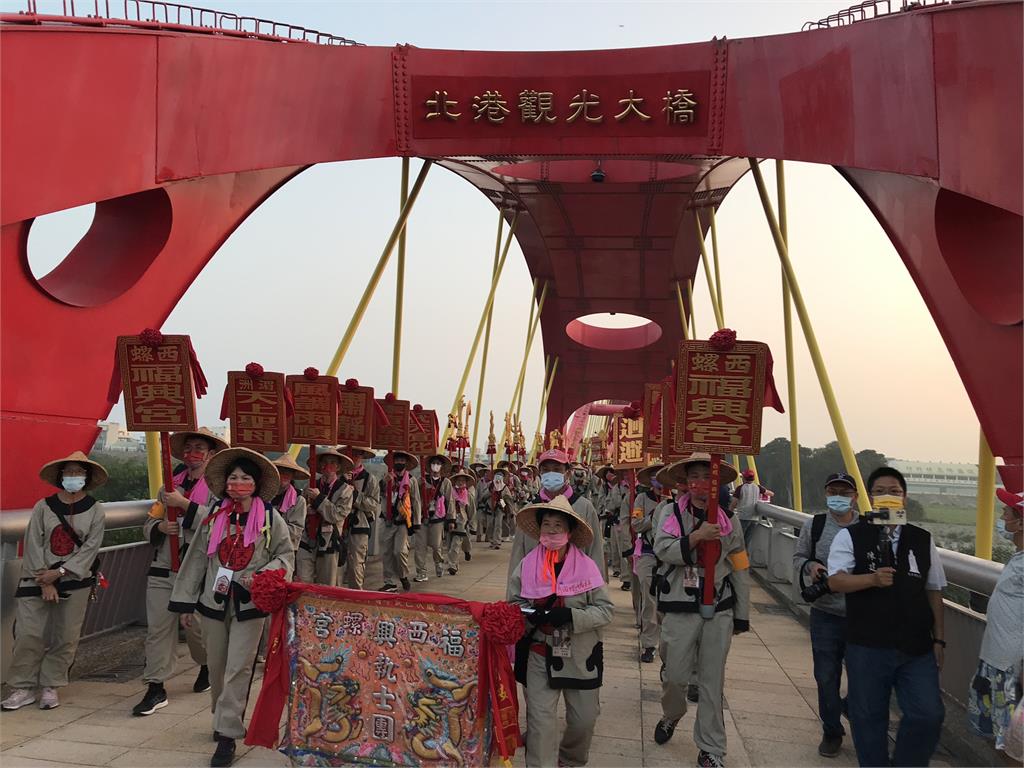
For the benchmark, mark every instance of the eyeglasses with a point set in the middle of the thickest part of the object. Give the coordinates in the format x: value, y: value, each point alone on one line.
x: 890, y: 491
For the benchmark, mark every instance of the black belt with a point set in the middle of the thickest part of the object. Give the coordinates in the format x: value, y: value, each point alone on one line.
x: 438, y: 520
x: 162, y: 572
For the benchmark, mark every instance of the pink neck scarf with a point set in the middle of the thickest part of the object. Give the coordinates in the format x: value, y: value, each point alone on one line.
x: 200, y: 492
x: 461, y: 496
x: 439, y: 508
x: 567, y: 492
x: 671, y: 525
x: 290, y: 497
x: 579, y: 574
x: 253, y: 524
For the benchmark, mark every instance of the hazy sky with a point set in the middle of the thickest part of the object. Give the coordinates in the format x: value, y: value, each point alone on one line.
x: 314, y: 243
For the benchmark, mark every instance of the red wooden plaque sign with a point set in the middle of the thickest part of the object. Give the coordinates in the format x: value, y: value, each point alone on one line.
x: 719, y: 397
x: 159, y: 395
x: 423, y: 443
x: 395, y: 436
x: 652, y: 418
x: 598, y: 450
x: 669, y: 453
x: 627, y: 443
x: 257, y: 411
x: 314, y: 419
x: 355, y: 415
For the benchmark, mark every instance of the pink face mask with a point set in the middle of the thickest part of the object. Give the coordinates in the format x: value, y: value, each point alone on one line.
x: 554, y: 540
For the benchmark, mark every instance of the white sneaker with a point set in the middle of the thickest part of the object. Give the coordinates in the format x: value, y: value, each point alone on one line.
x: 18, y: 699
x: 48, y: 699
x: 421, y: 578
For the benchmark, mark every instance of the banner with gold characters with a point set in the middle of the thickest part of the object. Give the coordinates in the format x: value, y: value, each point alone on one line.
x: 255, y: 403
x: 423, y: 435
x: 375, y: 679
x: 314, y: 417
x: 393, y: 436
x: 356, y: 411
x: 652, y: 418
x: 156, y: 373
x: 627, y: 443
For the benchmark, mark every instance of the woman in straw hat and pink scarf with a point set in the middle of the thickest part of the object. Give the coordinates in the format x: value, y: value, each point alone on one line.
x: 562, y: 593
x: 237, y: 538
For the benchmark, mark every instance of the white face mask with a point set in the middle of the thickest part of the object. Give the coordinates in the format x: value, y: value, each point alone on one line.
x: 499, y: 483
x: 73, y: 484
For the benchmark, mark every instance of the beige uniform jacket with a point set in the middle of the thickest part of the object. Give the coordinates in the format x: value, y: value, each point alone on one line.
x: 444, y: 490
x: 49, y: 546
x: 390, y: 506
x: 194, y: 587
x: 365, y: 502
x: 325, y: 516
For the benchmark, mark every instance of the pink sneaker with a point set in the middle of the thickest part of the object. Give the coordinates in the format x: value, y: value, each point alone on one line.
x: 19, y: 698
x: 48, y: 699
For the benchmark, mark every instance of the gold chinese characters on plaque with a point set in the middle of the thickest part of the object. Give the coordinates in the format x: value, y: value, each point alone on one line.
x: 159, y: 394
x: 314, y: 418
x: 627, y: 443
x: 423, y: 433
x: 355, y: 415
x: 256, y: 408
x: 719, y: 397
x: 393, y: 436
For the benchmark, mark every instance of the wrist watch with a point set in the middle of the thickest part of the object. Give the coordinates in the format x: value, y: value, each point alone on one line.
x: 62, y: 571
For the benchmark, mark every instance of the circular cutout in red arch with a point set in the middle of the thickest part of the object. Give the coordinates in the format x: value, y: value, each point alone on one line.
x: 613, y: 332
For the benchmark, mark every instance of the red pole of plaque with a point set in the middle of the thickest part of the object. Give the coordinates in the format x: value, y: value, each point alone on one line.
x: 172, y: 512
x: 711, y: 550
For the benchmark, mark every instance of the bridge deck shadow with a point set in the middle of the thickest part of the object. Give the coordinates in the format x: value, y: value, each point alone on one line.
x: 770, y: 715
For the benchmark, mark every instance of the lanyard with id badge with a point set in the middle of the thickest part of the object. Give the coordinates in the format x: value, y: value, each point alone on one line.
x: 231, y: 550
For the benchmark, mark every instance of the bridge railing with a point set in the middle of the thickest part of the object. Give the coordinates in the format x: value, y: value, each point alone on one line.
x: 157, y: 14
x: 869, y: 9
x: 771, y: 551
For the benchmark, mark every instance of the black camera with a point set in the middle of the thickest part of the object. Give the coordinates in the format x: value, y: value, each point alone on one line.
x: 597, y: 175
x: 811, y: 592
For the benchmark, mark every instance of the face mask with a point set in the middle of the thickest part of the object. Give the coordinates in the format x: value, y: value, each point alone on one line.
x: 435, y: 468
x: 499, y: 483
x: 552, y: 481
x: 1001, y: 529
x: 554, y: 540
x: 240, y: 489
x: 399, y: 469
x: 73, y: 484
x: 839, y: 504
x: 194, y: 459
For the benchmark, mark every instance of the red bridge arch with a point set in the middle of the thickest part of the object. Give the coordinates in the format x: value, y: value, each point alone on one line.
x: 180, y: 136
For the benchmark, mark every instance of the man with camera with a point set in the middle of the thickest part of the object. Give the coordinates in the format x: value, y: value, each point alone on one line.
x: 828, y: 610
x: 892, y: 577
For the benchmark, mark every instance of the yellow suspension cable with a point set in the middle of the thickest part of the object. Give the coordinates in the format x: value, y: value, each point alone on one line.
x: 682, y: 310
x: 154, y: 466
x: 707, y: 271
x: 396, y: 352
x: 529, y: 335
x: 787, y: 320
x: 986, y: 519
x: 714, y: 255
x: 480, y: 327
x: 487, y: 342
x: 517, y: 395
x: 544, y: 405
x: 849, y: 458
x: 689, y: 300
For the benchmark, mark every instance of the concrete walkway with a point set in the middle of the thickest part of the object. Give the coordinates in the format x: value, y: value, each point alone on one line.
x: 770, y: 715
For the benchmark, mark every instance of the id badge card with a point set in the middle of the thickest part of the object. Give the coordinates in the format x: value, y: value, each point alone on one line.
x: 690, y: 580
x: 222, y: 584
x: 561, y: 643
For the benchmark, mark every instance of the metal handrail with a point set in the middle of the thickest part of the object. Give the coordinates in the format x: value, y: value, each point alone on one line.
x: 119, y: 514
x: 967, y: 571
x: 869, y: 9
x: 160, y: 14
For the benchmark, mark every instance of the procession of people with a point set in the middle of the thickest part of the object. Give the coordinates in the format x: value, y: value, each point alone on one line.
x: 574, y: 531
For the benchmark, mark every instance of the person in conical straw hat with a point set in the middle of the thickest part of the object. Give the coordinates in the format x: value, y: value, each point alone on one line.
x: 329, y: 502
x: 555, y: 474
x: 237, y: 538
x: 58, y: 572
x: 365, y: 507
x: 563, y: 596
x: 436, y: 494
x: 650, y: 499
x: 463, y: 501
x: 496, y: 504
x: 681, y: 529
x: 191, y: 494
x: 401, y: 514
x: 289, y: 501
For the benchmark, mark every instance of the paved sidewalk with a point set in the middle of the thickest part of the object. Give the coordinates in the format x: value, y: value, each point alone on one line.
x: 770, y: 701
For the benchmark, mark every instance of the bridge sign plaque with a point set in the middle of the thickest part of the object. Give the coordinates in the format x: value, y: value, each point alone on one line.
x: 256, y: 408
x: 314, y: 417
x: 159, y: 392
x: 393, y: 436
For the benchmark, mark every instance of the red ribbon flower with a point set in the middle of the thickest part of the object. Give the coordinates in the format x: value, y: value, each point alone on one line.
x: 502, y: 623
x: 255, y: 370
x: 151, y: 337
x: 723, y: 340
x: 351, y: 383
x: 418, y: 407
x: 311, y: 373
x: 390, y: 397
x: 269, y: 590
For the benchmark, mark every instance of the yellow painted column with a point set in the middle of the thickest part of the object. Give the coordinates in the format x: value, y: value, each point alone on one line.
x: 487, y: 342
x: 480, y: 327
x: 396, y: 352
x: 787, y: 321
x: 986, y: 519
x: 154, y: 467
x: 682, y: 310
x: 714, y: 255
x: 849, y: 458
x: 707, y: 272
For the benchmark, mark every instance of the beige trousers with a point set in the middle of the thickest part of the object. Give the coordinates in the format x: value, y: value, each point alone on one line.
x: 394, y: 549
x: 650, y: 632
x: 620, y: 542
x: 231, y: 646
x: 33, y: 664
x: 316, y: 569
x: 543, y: 747
x: 683, y: 635
x: 162, y: 633
x: 494, y: 522
x: 355, y: 566
x: 458, y: 541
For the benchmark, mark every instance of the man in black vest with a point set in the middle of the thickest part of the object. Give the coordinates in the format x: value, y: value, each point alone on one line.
x: 893, y: 580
